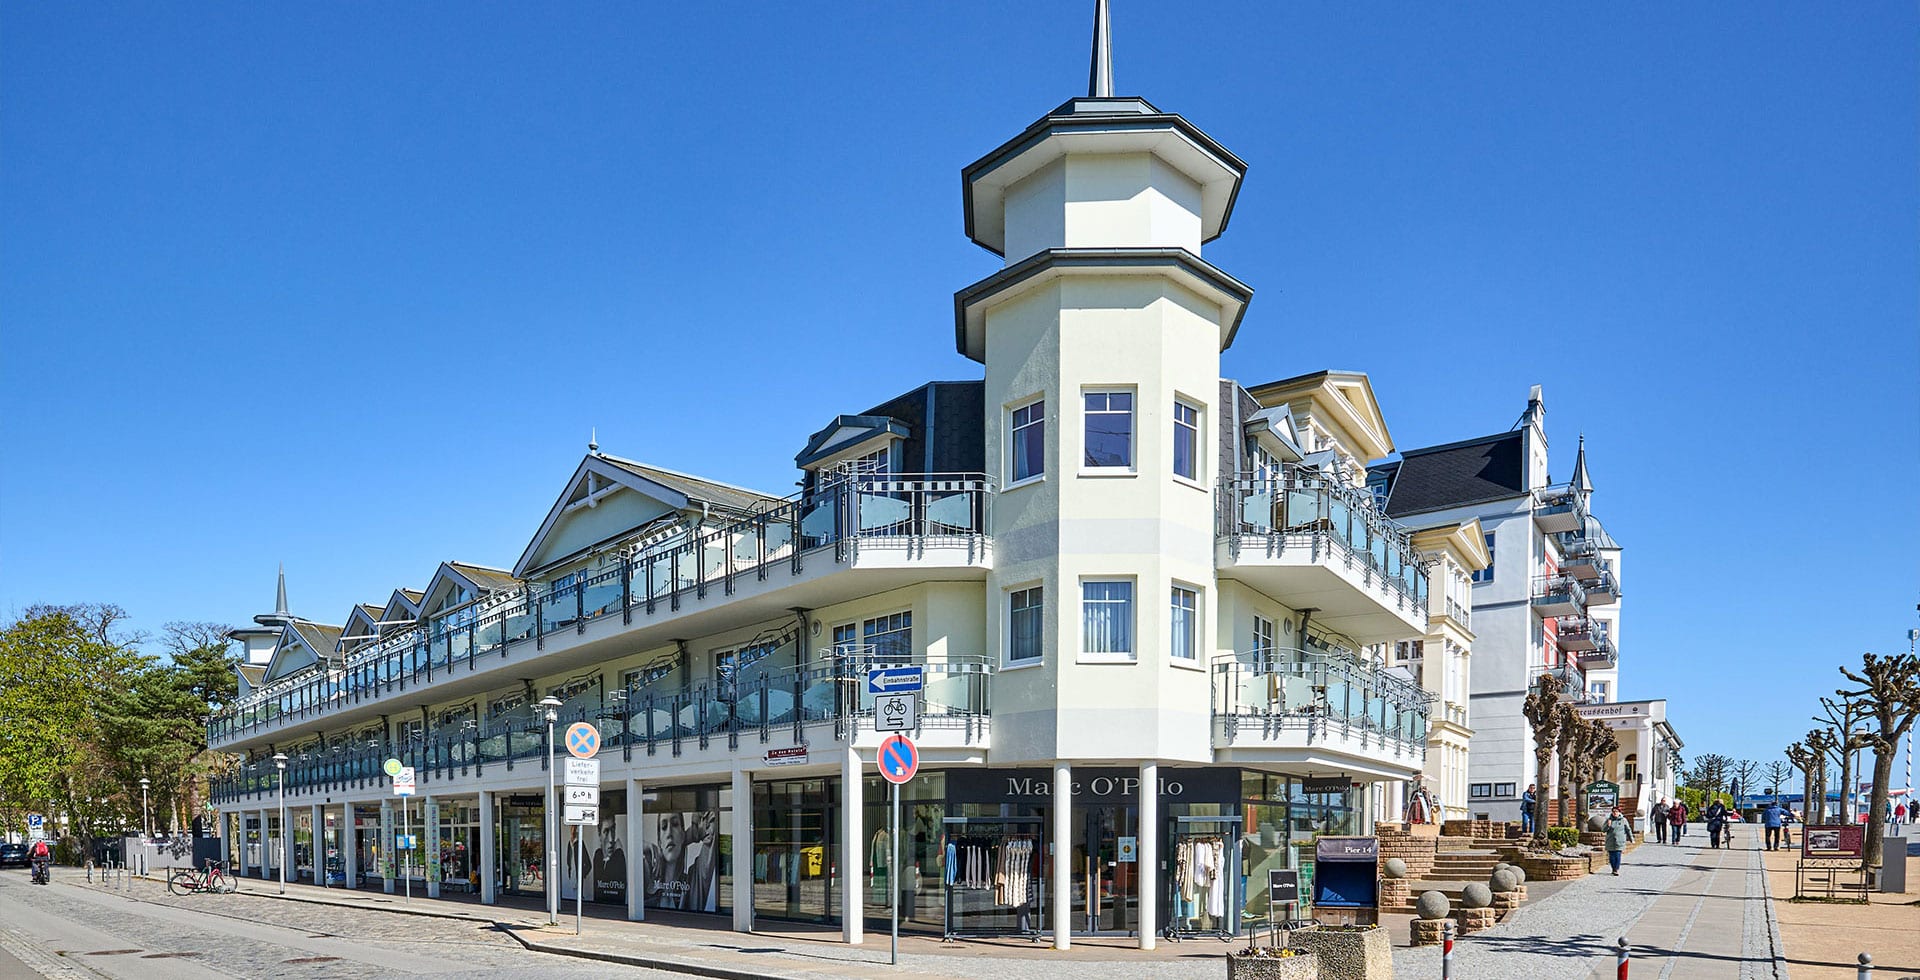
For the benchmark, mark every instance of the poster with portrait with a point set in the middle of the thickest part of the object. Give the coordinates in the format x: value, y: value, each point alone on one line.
x: 683, y: 860
x: 605, y: 850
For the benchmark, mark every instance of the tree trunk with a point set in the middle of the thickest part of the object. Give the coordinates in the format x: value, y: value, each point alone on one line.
x: 1846, y: 785
x: 1876, y: 824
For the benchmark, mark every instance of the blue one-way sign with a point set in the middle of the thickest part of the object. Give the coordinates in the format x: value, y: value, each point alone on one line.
x: 894, y: 680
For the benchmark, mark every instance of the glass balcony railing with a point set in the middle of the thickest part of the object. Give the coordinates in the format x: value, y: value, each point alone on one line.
x: 1291, y: 688
x: 648, y: 720
x: 853, y: 513
x: 1309, y: 513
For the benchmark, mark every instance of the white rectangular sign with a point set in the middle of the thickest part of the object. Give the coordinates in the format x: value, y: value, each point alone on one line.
x: 580, y: 795
x: 581, y: 772
x: 580, y: 816
x: 403, y: 781
x: 896, y: 712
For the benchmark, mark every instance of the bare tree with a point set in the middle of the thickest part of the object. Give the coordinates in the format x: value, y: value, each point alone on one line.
x: 1743, y: 773
x: 1597, y: 746
x: 1776, y: 773
x: 1889, y: 697
x: 1847, y: 719
x: 1542, y: 709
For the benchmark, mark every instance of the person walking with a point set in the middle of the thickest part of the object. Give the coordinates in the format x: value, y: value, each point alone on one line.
x: 1716, y: 814
x: 1619, y: 835
x: 1658, y: 817
x: 1677, y: 816
x: 1899, y: 816
x: 1774, y: 817
x: 1526, y: 808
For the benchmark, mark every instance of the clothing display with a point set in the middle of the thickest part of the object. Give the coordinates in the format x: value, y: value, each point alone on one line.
x: 992, y: 874
x: 1200, y: 873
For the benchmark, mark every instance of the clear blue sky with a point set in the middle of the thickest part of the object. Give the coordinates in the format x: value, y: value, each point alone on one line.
x: 345, y: 285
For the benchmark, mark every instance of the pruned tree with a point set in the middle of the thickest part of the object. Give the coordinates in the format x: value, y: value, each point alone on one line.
x: 1567, y: 748
x: 1846, y: 719
x: 1810, y: 762
x: 1819, y: 746
x: 1599, y: 744
x: 1776, y: 773
x: 1542, y: 710
x: 1888, y: 694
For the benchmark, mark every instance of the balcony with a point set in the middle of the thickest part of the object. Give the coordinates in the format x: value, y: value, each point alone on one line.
x: 1578, y: 634
x: 1317, y: 544
x: 1580, y: 558
x: 1558, y: 510
x: 1573, y: 681
x: 657, y: 724
x: 1558, y: 595
x: 1310, y: 709
x: 1600, y: 656
x: 1602, y: 589
x: 850, y: 539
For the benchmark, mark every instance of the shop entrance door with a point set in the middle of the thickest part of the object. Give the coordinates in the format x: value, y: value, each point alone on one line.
x: 1106, y: 880
x: 522, y: 852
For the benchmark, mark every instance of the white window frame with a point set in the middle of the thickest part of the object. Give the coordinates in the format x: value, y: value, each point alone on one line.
x: 1133, y: 612
x: 1131, y: 466
x: 1040, y: 656
x: 1195, y: 616
x: 1264, y: 628
x: 1199, y: 429
x: 1014, y: 426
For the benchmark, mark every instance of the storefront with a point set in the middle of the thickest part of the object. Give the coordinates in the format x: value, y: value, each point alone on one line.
x: 455, y: 862
x: 604, y: 848
x: 687, y: 848
x: 367, y: 848
x: 520, y: 864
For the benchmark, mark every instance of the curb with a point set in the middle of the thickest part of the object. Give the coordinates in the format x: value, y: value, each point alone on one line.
x: 628, y: 959
x: 398, y: 909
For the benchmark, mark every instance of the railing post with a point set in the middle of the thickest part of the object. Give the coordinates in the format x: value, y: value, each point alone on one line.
x: 580, y: 606
x: 626, y: 594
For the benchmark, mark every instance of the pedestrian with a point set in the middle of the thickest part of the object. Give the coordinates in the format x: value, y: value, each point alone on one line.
x: 1619, y: 835
x: 1899, y: 817
x: 1526, y: 808
x: 1716, y: 814
x: 1775, y: 818
x: 1677, y: 816
x: 1658, y: 817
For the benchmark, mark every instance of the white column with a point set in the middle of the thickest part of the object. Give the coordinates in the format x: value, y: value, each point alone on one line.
x: 489, y: 881
x: 266, y: 847
x: 742, y: 851
x: 1147, y: 871
x: 853, y: 879
x: 389, y: 864
x: 319, y: 845
x: 1062, y: 856
x: 349, y: 845
x: 240, y: 832
x: 430, y: 819
x: 636, y: 867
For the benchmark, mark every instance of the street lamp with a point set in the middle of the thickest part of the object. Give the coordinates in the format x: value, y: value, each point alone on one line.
x: 552, y: 703
x: 280, y: 763
x: 146, y: 817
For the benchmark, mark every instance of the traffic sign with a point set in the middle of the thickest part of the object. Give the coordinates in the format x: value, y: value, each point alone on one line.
x: 403, y: 784
x: 583, y: 740
x: 896, y: 712
x: 406, y: 842
x: 581, y: 772
x: 899, y: 759
x: 391, y: 767
x: 34, y: 820
x: 580, y: 815
x: 582, y: 795
x: 894, y: 680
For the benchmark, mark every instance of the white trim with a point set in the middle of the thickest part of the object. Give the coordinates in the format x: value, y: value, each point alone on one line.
x: 1085, y: 656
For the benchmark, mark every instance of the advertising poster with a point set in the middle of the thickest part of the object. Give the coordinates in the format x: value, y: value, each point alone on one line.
x: 605, y: 878
x: 683, y: 860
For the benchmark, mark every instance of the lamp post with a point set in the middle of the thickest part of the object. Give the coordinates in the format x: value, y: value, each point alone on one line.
x: 280, y: 763
x: 146, y: 816
x: 552, y: 705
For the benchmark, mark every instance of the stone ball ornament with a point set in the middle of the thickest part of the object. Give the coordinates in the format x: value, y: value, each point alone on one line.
x: 1597, y: 822
x: 1433, y: 905
x: 1519, y: 873
x: 1503, y: 880
x: 1476, y: 896
x: 1396, y: 868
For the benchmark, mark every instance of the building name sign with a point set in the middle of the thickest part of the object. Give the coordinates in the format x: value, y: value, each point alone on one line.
x: 1347, y: 849
x: 1628, y: 710
x: 1089, y: 785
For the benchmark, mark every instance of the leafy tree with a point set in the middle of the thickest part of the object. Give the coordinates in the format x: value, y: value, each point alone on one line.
x: 1889, y: 696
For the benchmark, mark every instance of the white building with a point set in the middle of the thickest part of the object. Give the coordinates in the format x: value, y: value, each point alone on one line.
x: 1140, y: 592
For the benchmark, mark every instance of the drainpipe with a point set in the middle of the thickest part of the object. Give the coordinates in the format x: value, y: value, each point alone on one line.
x: 803, y: 646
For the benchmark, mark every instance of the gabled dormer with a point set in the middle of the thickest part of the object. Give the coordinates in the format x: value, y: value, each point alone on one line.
x: 852, y: 439
x: 362, y: 628
x: 402, y: 606
x: 303, y: 647
x: 457, y: 586
x: 1332, y: 412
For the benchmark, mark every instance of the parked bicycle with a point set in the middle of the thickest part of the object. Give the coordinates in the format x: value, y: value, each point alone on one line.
x: 213, y: 880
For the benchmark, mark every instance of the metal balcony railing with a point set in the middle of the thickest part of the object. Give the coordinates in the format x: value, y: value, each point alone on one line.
x: 1310, y: 513
x: 1573, y: 681
x: 647, y: 719
x: 1281, y: 689
x: 1558, y: 590
x: 1560, y: 510
x: 840, y: 517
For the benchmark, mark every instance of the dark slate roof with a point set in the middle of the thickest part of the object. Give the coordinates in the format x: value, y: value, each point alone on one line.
x: 321, y: 638
x: 1456, y: 474
x: 725, y: 495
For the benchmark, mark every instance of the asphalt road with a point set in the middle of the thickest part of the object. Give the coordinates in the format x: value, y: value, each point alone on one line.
x: 71, y: 929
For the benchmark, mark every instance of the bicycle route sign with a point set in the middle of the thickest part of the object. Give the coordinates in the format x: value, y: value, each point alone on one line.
x: 583, y: 740
x: 899, y: 759
x: 896, y: 712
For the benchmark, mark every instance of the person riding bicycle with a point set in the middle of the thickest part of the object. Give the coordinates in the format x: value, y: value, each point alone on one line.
x: 41, y: 856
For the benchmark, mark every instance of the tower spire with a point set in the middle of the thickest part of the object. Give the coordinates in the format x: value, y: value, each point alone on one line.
x: 1581, y: 481
x: 1100, y: 76
x: 280, y: 596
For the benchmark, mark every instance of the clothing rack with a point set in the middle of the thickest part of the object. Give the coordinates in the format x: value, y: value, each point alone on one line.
x: 1218, y: 873
x: 993, y: 869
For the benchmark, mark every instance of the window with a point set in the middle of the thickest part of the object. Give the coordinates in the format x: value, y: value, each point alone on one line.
x: 1023, y: 625
x: 1504, y: 790
x: 1109, y: 429
x: 1186, y: 624
x: 846, y: 640
x: 1486, y: 574
x: 1186, y: 440
x: 1106, y: 609
x: 1480, y: 791
x: 1263, y: 636
x: 891, y: 637
x: 1029, y: 442
x: 1407, y: 650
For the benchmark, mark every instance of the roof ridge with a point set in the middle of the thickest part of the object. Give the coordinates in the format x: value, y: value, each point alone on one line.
x: 1476, y: 440
x: 686, y: 476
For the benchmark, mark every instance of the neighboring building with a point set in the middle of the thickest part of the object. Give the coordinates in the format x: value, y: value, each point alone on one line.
x: 1140, y: 593
x: 1546, y: 601
x: 1646, y: 765
x: 1443, y: 659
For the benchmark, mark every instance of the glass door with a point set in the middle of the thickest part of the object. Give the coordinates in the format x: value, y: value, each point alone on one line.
x: 1106, y: 886
x: 522, y: 852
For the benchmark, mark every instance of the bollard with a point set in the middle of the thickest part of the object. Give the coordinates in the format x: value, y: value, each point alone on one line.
x: 1623, y: 957
x: 1866, y: 967
x: 1446, y: 954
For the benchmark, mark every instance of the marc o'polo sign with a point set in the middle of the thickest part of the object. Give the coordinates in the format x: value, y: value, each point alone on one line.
x: 1325, y: 784
x: 1090, y: 785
